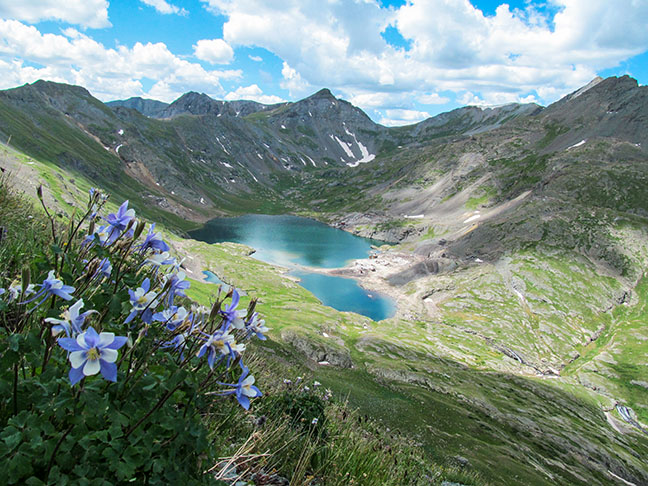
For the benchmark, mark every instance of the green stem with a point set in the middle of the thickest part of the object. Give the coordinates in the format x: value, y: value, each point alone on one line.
x: 15, y: 390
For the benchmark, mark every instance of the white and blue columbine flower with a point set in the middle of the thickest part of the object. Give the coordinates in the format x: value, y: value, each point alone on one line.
x: 177, y: 286
x: 105, y: 268
x: 231, y: 316
x: 118, y: 221
x: 256, y: 326
x: 141, y: 299
x: 15, y: 289
x: 159, y: 259
x: 71, y: 321
x: 244, y: 389
x: 91, y: 353
x: 51, y: 286
x: 219, y: 345
x: 172, y: 317
x: 153, y: 240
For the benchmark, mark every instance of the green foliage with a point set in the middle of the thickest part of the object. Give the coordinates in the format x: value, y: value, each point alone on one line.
x: 475, y: 201
x: 305, y: 410
x: 66, y: 435
x: 144, y: 423
x: 23, y: 233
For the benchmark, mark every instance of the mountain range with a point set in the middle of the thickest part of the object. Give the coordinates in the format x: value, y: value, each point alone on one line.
x: 518, y: 251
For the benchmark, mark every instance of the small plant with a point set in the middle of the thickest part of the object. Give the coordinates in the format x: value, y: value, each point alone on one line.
x: 106, y: 366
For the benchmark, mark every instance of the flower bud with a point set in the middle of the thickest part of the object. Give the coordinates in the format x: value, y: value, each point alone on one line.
x: 138, y: 229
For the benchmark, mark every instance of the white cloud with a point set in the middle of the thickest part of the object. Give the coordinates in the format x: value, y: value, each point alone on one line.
x: 453, y: 47
x: 215, y: 51
x: 254, y: 93
x: 399, y: 117
x: 255, y: 58
x: 293, y: 82
x: 108, y: 73
x: 86, y: 13
x: 433, y: 99
x: 164, y: 7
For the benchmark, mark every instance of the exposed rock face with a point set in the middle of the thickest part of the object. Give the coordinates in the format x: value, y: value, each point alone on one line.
x: 431, y: 266
x: 332, y: 354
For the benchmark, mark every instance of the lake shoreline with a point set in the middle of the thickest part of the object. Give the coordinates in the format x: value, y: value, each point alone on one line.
x: 370, y: 273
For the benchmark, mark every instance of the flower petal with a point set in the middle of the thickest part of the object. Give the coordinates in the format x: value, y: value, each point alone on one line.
x: 117, y: 343
x: 109, y: 355
x: 70, y: 344
x: 91, y: 367
x: 75, y: 375
x: 244, y: 401
x: 109, y: 370
x: 78, y: 358
x: 105, y: 339
x: 91, y: 337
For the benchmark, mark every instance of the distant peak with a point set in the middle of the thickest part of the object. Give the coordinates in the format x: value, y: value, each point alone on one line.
x: 323, y: 93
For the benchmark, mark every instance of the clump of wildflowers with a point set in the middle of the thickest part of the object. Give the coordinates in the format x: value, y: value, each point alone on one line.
x: 139, y: 329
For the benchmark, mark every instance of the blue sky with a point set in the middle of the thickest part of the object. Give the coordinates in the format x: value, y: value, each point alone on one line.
x: 400, y: 61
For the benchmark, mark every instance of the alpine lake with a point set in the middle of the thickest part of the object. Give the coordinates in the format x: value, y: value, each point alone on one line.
x: 302, y: 244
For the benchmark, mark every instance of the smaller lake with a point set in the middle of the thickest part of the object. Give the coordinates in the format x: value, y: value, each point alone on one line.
x: 344, y: 294
x: 291, y: 241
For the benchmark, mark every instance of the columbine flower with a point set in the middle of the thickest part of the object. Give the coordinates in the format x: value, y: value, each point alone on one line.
x: 172, y: 317
x: 142, y: 299
x: 217, y: 346
x: 105, y: 268
x: 153, y: 240
x: 118, y: 221
x: 231, y: 315
x: 178, y: 342
x: 316, y: 384
x: 244, y: 389
x: 51, y: 286
x: 91, y: 352
x: 159, y: 259
x: 103, y: 233
x: 71, y: 321
x: 16, y: 288
x: 257, y: 326
x: 314, y: 421
x: 177, y: 286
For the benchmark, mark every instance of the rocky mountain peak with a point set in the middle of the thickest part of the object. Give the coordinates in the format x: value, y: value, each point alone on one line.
x: 192, y: 103
x: 323, y: 93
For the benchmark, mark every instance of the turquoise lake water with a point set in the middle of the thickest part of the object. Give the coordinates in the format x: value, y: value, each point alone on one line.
x: 291, y: 240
